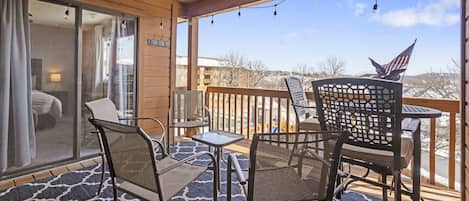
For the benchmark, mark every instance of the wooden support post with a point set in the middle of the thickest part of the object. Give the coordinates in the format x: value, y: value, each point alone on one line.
x: 193, y: 53
x: 452, y: 150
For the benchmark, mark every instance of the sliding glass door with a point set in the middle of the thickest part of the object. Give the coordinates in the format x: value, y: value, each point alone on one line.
x: 53, y: 72
x: 77, y: 56
x: 108, y: 68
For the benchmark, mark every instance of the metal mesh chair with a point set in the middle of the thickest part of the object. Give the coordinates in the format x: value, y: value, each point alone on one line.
x: 284, y: 169
x: 188, y: 111
x: 131, y: 158
x: 305, y: 115
x: 105, y: 109
x: 370, y: 109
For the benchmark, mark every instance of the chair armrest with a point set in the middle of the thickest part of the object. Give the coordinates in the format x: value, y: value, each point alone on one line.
x: 148, y: 119
x: 185, y: 160
x: 413, y: 126
x: 160, y: 145
x: 209, y: 113
x: 239, y: 172
x: 304, y: 106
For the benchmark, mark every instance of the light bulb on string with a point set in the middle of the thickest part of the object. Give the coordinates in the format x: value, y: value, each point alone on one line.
x: 161, y: 23
x: 124, y: 24
x: 375, y: 7
x: 67, y: 14
x: 239, y: 11
x: 275, y: 10
x: 212, y: 21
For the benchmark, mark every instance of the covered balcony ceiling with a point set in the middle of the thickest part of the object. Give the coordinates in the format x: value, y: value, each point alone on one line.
x: 191, y: 8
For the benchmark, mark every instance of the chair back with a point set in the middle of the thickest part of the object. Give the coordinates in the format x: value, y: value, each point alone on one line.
x: 306, y: 172
x: 297, y: 97
x: 370, y: 109
x: 129, y: 153
x: 187, y: 105
x: 103, y: 109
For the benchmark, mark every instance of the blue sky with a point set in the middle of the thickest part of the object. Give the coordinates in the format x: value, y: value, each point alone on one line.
x: 309, y: 31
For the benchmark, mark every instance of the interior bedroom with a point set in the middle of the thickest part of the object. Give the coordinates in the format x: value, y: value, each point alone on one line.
x: 107, y: 70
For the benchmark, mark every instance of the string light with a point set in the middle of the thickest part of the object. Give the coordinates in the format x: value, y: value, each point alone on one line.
x: 274, y: 6
x: 124, y: 24
x: 161, y: 23
x: 275, y: 10
x: 67, y: 13
x: 375, y: 6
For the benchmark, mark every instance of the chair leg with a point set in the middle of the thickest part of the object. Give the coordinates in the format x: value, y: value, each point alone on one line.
x: 397, y: 186
x: 114, y: 188
x: 103, y: 171
x: 339, y: 182
x: 215, y: 181
x: 228, y: 180
x: 385, y: 192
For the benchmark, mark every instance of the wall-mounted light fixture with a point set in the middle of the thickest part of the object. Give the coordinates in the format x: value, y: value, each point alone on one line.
x: 55, y: 77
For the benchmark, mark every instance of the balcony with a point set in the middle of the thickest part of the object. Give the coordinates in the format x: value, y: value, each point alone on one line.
x: 247, y: 111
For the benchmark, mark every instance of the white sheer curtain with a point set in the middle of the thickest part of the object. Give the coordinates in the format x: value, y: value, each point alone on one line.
x: 17, y: 137
x: 98, y: 38
x: 119, y: 79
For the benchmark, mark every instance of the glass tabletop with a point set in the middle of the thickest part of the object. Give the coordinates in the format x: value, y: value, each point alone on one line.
x: 217, y: 138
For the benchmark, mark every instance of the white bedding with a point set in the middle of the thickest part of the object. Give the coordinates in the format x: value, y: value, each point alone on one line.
x: 43, y: 103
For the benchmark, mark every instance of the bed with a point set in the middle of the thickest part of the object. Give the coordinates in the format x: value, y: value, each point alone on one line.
x: 47, y: 109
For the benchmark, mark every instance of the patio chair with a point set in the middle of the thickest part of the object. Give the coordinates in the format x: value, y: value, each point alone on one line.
x: 305, y: 116
x: 283, y: 169
x: 370, y: 109
x: 106, y: 110
x: 188, y: 111
x: 142, y: 171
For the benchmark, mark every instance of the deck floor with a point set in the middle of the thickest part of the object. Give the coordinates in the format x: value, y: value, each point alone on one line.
x: 429, y: 192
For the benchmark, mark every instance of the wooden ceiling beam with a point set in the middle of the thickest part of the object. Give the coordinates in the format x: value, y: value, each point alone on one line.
x: 206, y: 7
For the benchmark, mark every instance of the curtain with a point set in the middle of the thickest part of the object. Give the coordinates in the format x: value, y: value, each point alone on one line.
x: 98, y: 39
x: 121, y: 69
x: 17, y: 137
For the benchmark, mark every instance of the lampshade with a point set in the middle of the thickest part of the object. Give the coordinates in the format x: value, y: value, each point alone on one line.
x: 55, y: 77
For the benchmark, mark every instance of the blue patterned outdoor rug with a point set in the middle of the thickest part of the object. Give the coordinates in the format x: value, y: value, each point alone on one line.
x: 83, y: 184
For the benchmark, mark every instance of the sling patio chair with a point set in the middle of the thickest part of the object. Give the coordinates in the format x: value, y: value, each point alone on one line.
x: 188, y: 111
x: 106, y: 110
x: 371, y: 110
x: 145, y: 173
x: 284, y: 169
x: 305, y: 115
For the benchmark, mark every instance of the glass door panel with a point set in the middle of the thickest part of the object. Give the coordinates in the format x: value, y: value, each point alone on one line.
x: 53, y: 50
x: 108, y: 69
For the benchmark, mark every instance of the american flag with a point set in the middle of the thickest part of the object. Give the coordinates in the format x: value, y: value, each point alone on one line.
x: 393, y: 69
x: 401, y: 61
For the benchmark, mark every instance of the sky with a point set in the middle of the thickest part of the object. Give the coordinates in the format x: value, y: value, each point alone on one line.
x: 310, y: 31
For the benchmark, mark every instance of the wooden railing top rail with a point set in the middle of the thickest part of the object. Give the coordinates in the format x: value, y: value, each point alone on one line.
x: 444, y: 105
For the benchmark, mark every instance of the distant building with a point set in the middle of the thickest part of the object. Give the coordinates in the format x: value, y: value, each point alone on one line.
x: 212, y: 72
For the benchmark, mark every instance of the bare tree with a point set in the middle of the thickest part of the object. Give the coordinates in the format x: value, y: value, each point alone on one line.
x: 304, y: 71
x: 233, y: 62
x: 332, y: 66
x: 434, y: 85
x: 256, y: 72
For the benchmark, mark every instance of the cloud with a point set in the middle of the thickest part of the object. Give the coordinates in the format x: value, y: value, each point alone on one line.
x: 300, y: 35
x: 359, y: 8
x: 435, y: 13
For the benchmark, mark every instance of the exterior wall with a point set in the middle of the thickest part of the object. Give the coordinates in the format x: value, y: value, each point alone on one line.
x: 156, y: 65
